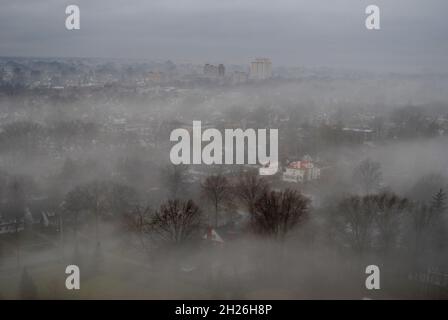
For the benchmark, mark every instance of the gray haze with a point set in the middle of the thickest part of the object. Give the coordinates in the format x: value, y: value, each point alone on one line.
x: 291, y: 32
x: 85, y: 176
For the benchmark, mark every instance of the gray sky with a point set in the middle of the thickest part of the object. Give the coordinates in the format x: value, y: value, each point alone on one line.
x: 413, y: 35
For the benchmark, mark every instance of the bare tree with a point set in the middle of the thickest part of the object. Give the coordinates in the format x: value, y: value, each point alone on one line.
x: 276, y: 213
x: 138, y: 222
x: 176, y: 221
x: 389, y: 209
x: 217, y: 189
x: 99, y: 198
x: 438, y: 204
x: 428, y: 221
x: 361, y: 217
x: 355, y: 222
x: 249, y: 188
x: 368, y: 176
x: 427, y: 215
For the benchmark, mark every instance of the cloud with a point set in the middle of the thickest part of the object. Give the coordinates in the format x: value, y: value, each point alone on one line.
x: 291, y: 32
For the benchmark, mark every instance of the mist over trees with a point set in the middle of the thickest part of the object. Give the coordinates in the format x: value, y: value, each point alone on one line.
x: 85, y: 178
x: 367, y: 176
x: 216, y: 189
x: 372, y: 221
x: 277, y: 213
x: 176, y: 221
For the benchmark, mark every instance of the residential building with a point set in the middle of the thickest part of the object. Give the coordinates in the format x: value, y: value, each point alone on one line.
x: 260, y: 69
x: 301, y: 171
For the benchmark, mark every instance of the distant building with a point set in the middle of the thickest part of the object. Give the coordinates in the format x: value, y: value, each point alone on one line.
x: 357, y: 135
x: 12, y: 219
x: 239, y: 77
x: 301, y: 171
x: 213, y: 71
x: 11, y: 226
x: 260, y: 69
x: 154, y: 77
x: 221, y: 70
x: 210, y: 70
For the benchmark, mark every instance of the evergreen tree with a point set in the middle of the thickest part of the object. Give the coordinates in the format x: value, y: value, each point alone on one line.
x: 439, y: 202
x: 438, y: 207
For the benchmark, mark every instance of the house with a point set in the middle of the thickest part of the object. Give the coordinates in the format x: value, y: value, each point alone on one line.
x: 301, y: 171
x: 212, y: 236
x: 11, y: 219
x: 42, y: 212
x: 11, y: 226
x: 39, y: 212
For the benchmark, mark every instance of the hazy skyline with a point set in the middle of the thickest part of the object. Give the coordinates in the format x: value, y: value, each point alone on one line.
x: 299, y: 33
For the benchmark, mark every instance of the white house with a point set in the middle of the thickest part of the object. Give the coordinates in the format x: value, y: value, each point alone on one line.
x: 301, y: 171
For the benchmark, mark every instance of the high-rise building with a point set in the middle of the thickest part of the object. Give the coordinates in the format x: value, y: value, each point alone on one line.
x: 221, y: 70
x: 260, y: 69
x: 211, y: 70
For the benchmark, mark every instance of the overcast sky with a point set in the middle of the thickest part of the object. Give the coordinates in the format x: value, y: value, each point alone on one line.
x: 413, y: 35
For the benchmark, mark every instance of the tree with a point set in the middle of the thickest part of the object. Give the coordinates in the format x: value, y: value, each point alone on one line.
x: 356, y: 222
x: 360, y: 218
x: 217, y: 189
x: 421, y: 220
x: 138, y: 222
x: 276, y: 213
x: 429, y: 224
x: 176, y: 221
x: 75, y: 202
x: 439, y: 202
x: 100, y: 198
x: 249, y: 189
x: 427, y: 186
x: 389, y: 209
x: 425, y: 216
x: 413, y: 122
x: 368, y: 176
x: 438, y: 207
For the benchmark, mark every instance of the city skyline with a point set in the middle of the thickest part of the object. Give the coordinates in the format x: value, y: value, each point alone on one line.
x: 296, y: 33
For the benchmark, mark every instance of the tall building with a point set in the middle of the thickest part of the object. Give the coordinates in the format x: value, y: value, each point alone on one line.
x: 211, y: 70
x: 221, y: 70
x: 260, y: 69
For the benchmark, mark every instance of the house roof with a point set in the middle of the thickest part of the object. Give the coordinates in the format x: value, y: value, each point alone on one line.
x: 212, y: 235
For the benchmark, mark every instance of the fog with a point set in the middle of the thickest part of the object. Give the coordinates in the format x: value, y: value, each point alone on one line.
x: 86, y: 177
x: 112, y: 143
x: 300, y: 33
